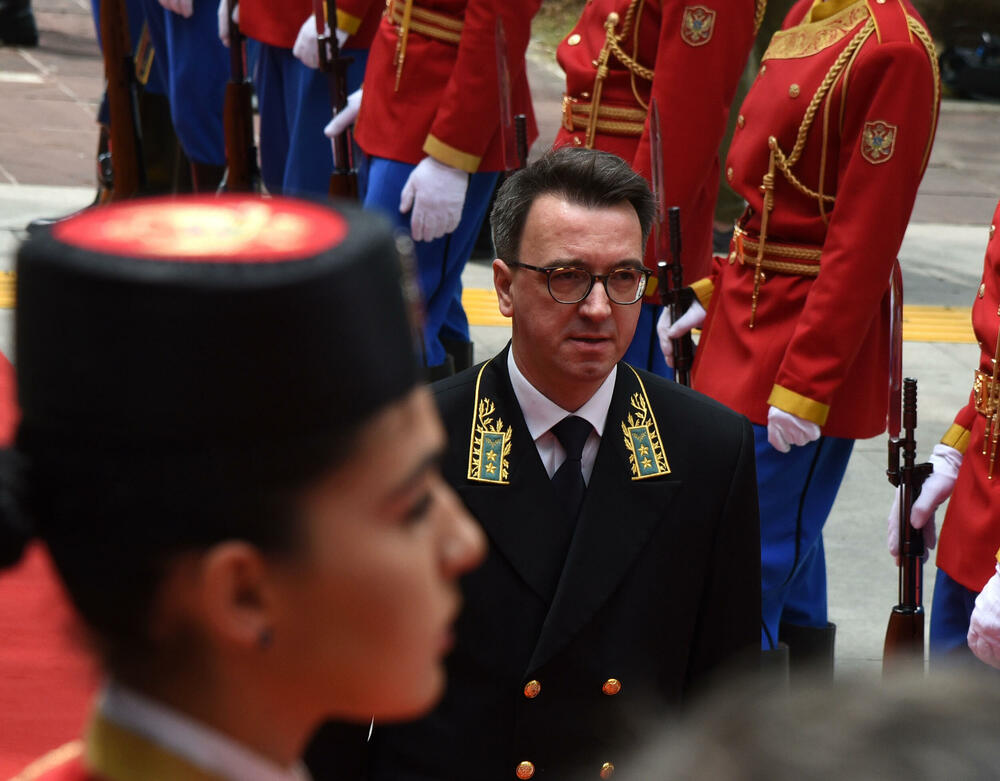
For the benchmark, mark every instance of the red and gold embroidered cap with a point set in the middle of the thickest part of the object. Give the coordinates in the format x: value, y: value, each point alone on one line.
x: 226, y: 320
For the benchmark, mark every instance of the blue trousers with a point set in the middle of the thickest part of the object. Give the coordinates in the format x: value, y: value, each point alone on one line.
x: 796, y: 492
x: 951, y: 612
x: 439, y: 262
x: 295, y: 156
x: 644, y: 352
x: 198, y: 69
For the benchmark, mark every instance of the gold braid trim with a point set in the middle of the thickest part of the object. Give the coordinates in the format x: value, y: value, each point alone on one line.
x: 614, y: 43
x: 758, y: 16
x: 786, y: 162
x: 918, y: 29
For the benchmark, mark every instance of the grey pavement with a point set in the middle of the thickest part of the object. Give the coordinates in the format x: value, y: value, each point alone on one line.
x: 48, y: 99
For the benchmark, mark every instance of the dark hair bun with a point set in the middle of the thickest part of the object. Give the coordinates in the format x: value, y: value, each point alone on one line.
x: 15, y: 530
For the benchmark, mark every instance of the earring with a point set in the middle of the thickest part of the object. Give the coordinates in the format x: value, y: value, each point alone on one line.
x: 265, y: 638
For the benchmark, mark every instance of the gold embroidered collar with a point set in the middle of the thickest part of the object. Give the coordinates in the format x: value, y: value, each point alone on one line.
x: 809, y: 38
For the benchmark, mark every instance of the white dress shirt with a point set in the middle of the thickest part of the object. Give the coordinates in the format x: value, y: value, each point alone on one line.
x: 196, y: 743
x: 541, y: 414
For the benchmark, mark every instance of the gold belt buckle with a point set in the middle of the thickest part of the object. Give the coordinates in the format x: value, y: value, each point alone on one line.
x: 985, y: 394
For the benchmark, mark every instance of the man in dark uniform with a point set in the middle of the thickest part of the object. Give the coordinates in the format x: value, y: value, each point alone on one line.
x: 621, y: 508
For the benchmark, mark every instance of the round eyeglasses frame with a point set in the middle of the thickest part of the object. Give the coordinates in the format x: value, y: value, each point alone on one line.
x: 603, y: 278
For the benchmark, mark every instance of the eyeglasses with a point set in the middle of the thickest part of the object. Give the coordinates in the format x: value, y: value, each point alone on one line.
x: 572, y: 284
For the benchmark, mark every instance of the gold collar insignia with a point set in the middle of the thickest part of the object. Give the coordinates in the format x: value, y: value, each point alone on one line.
x: 642, y: 438
x: 805, y: 40
x: 489, y: 446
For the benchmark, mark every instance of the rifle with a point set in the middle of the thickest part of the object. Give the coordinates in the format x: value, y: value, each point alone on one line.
x: 344, y: 179
x: 127, y: 169
x: 521, y: 137
x: 670, y: 277
x: 242, y: 171
x: 904, y: 637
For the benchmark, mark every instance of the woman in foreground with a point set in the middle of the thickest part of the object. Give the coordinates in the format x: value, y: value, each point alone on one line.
x: 225, y: 447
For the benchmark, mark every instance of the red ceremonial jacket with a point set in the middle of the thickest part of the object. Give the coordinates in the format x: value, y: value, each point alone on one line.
x: 439, y: 94
x: 278, y: 22
x: 851, y: 101
x: 970, y: 534
x: 690, y: 58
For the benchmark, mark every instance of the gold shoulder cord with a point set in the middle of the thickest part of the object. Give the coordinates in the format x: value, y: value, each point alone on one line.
x: 403, y: 34
x: 612, y: 45
x: 758, y: 16
x: 778, y: 159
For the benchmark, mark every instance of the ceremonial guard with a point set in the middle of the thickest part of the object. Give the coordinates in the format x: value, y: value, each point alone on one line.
x: 204, y: 456
x: 689, y: 57
x: 197, y: 68
x: 293, y: 97
x: 621, y: 508
x: 831, y: 143
x: 429, y: 121
x: 966, y: 468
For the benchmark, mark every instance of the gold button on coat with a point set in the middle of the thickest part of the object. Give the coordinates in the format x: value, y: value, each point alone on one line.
x: 574, y: 39
x: 793, y: 91
x: 993, y: 229
x: 525, y: 770
x: 532, y: 689
x: 982, y: 290
x: 729, y: 173
x: 741, y: 120
x: 607, y: 770
x: 611, y: 687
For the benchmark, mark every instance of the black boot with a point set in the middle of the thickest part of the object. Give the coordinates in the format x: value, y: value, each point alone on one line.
x: 442, y: 370
x: 810, y: 651
x: 17, y: 23
x: 774, y: 666
x: 460, y: 352
x: 205, y: 178
x: 103, y: 183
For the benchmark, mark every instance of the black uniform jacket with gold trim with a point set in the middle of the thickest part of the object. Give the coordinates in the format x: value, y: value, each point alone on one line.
x: 659, y: 588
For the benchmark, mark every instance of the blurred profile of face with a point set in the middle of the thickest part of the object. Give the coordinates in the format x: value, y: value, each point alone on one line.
x: 567, y: 350
x: 366, y: 619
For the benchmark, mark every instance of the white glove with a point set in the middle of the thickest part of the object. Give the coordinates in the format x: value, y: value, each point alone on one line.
x: 984, y: 628
x: 936, y: 488
x: 785, y: 429
x: 182, y: 7
x: 692, y: 318
x: 224, y: 22
x: 306, y: 46
x: 436, y: 193
x: 346, y: 116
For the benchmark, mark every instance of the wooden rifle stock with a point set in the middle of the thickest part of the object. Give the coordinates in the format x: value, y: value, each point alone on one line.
x: 344, y: 178
x: 677, y: 297
x: 125, y: 143
x: 242, y: 171
x: 904, y: 637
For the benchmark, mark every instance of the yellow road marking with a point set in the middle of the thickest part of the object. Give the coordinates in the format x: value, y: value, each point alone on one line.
x: 6, y: 289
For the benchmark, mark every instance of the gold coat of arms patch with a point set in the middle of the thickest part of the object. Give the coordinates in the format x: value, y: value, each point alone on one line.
x: 697, y: 25
x: 878, y: 141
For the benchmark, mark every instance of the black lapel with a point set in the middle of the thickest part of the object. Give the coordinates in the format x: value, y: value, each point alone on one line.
x: 521, y: 518
x: 618, y: 516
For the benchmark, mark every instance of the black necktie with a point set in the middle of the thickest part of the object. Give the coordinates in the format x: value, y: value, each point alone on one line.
x: 572, y: 433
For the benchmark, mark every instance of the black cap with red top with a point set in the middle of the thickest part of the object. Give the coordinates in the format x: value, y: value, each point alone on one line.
x: 195, y: 321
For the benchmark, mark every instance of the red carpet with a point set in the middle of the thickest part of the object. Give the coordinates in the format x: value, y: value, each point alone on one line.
x: 46, y: 679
